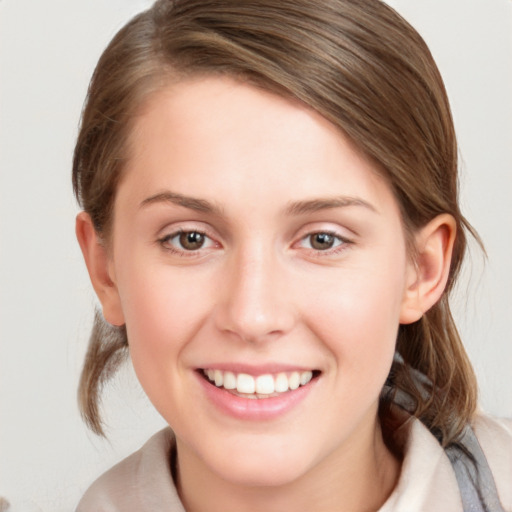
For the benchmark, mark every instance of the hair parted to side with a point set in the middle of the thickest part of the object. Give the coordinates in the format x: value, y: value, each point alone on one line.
x: 357, y: 63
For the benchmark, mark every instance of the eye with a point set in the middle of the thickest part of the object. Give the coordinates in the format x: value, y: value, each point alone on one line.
x: 191, y: 240
x: 322, y: 241
x: 187, y: 241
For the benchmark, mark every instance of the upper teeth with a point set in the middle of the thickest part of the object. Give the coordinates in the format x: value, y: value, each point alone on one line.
x: 263, y: 384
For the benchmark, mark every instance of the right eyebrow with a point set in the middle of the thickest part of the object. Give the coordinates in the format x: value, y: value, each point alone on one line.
x: 193, y: 203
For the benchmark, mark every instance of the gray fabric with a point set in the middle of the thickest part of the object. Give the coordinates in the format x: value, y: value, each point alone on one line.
x: 476, y: 483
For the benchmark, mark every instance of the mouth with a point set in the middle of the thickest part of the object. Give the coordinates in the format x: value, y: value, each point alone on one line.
x: 268, y: 385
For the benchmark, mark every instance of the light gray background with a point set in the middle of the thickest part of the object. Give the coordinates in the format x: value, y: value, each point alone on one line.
x: 47, y: 53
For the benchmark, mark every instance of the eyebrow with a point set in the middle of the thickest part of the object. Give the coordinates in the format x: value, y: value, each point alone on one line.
x: 314, y: 205
x: 294, y: 208
x: 193, y: 203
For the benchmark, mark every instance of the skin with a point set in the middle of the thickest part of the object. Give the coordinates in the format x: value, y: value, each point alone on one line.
x: 265, y: 174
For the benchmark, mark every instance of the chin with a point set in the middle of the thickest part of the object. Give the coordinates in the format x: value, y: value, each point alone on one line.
x: 257, y: 465
x: 260, y: 473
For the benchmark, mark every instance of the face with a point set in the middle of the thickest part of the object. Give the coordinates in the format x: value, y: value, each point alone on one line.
x: 260, y: 267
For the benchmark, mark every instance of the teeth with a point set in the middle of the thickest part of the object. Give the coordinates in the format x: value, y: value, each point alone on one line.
x: 305, y: 377
x: 245, y: 383
x: 218, y: 377
x: 281, y: 383
x: 263, y: 386
x: 294, y: 380
x: 229, y: 380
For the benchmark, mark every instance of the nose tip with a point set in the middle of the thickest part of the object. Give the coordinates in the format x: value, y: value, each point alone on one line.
x: 256, y: 307
x: 254, y: 325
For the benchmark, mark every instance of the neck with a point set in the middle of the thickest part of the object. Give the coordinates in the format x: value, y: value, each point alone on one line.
x: 356, y: 478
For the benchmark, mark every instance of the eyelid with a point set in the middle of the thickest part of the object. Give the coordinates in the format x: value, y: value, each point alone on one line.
x: 331, y: 228
x: 308, y: 231
x: 169, y: 232
x: 184, y: 226
x: 328, y: 233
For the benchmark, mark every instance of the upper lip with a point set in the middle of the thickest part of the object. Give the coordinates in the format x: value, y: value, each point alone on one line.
x: 255, y: 370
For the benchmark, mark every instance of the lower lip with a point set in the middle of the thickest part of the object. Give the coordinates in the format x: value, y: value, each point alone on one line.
x: 254, y: 409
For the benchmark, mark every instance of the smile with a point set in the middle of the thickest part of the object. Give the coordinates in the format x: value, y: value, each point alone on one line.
x: 262, y: 386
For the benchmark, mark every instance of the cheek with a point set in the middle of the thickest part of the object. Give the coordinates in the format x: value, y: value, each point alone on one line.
x: 163, y: 312
x: 162, y: 316
x: 358, y: 321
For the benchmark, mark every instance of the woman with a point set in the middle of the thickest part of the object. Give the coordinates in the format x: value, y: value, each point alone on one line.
x: 271, y: 226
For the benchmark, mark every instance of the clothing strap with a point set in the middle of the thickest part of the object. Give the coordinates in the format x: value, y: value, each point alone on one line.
x: 476, y: 484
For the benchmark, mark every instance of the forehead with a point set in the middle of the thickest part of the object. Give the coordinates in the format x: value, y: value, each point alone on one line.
x: 219, y: 138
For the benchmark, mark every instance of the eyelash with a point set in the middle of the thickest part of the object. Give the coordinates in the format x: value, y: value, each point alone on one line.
x: 343, y: 244
x: 165, y: 242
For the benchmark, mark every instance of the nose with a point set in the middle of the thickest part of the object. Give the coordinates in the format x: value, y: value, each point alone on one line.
x: 255, y: 305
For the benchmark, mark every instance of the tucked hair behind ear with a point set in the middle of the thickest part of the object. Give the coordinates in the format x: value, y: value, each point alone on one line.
x: 357, y: 63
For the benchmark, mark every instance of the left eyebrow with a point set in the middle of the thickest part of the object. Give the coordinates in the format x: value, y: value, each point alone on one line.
x: 314, y: 205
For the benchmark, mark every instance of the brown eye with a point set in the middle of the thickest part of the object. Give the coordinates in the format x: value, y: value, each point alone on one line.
x: 188, y: 243
x: 322, y: 241
x: 191, y: 240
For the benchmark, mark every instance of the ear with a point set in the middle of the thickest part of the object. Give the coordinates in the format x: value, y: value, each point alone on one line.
x: 100, y: 268
x: 428, y: 273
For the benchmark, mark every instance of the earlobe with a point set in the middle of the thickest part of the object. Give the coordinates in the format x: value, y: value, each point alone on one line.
x: 100, y: 269
x: 428, y: 274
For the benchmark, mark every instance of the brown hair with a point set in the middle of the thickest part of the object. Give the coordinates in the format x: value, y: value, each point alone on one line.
x: 357, y: 63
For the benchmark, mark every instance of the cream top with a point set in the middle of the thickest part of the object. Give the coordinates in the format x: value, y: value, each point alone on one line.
x: 143, y: 481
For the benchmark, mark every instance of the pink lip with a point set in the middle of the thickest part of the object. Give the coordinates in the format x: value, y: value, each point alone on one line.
x: 256, y: 370
x: 251, y: 409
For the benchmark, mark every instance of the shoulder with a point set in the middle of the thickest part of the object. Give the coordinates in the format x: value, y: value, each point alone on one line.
x: 141, y: 482
x: 428, y: 482
x: 495, y: 438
